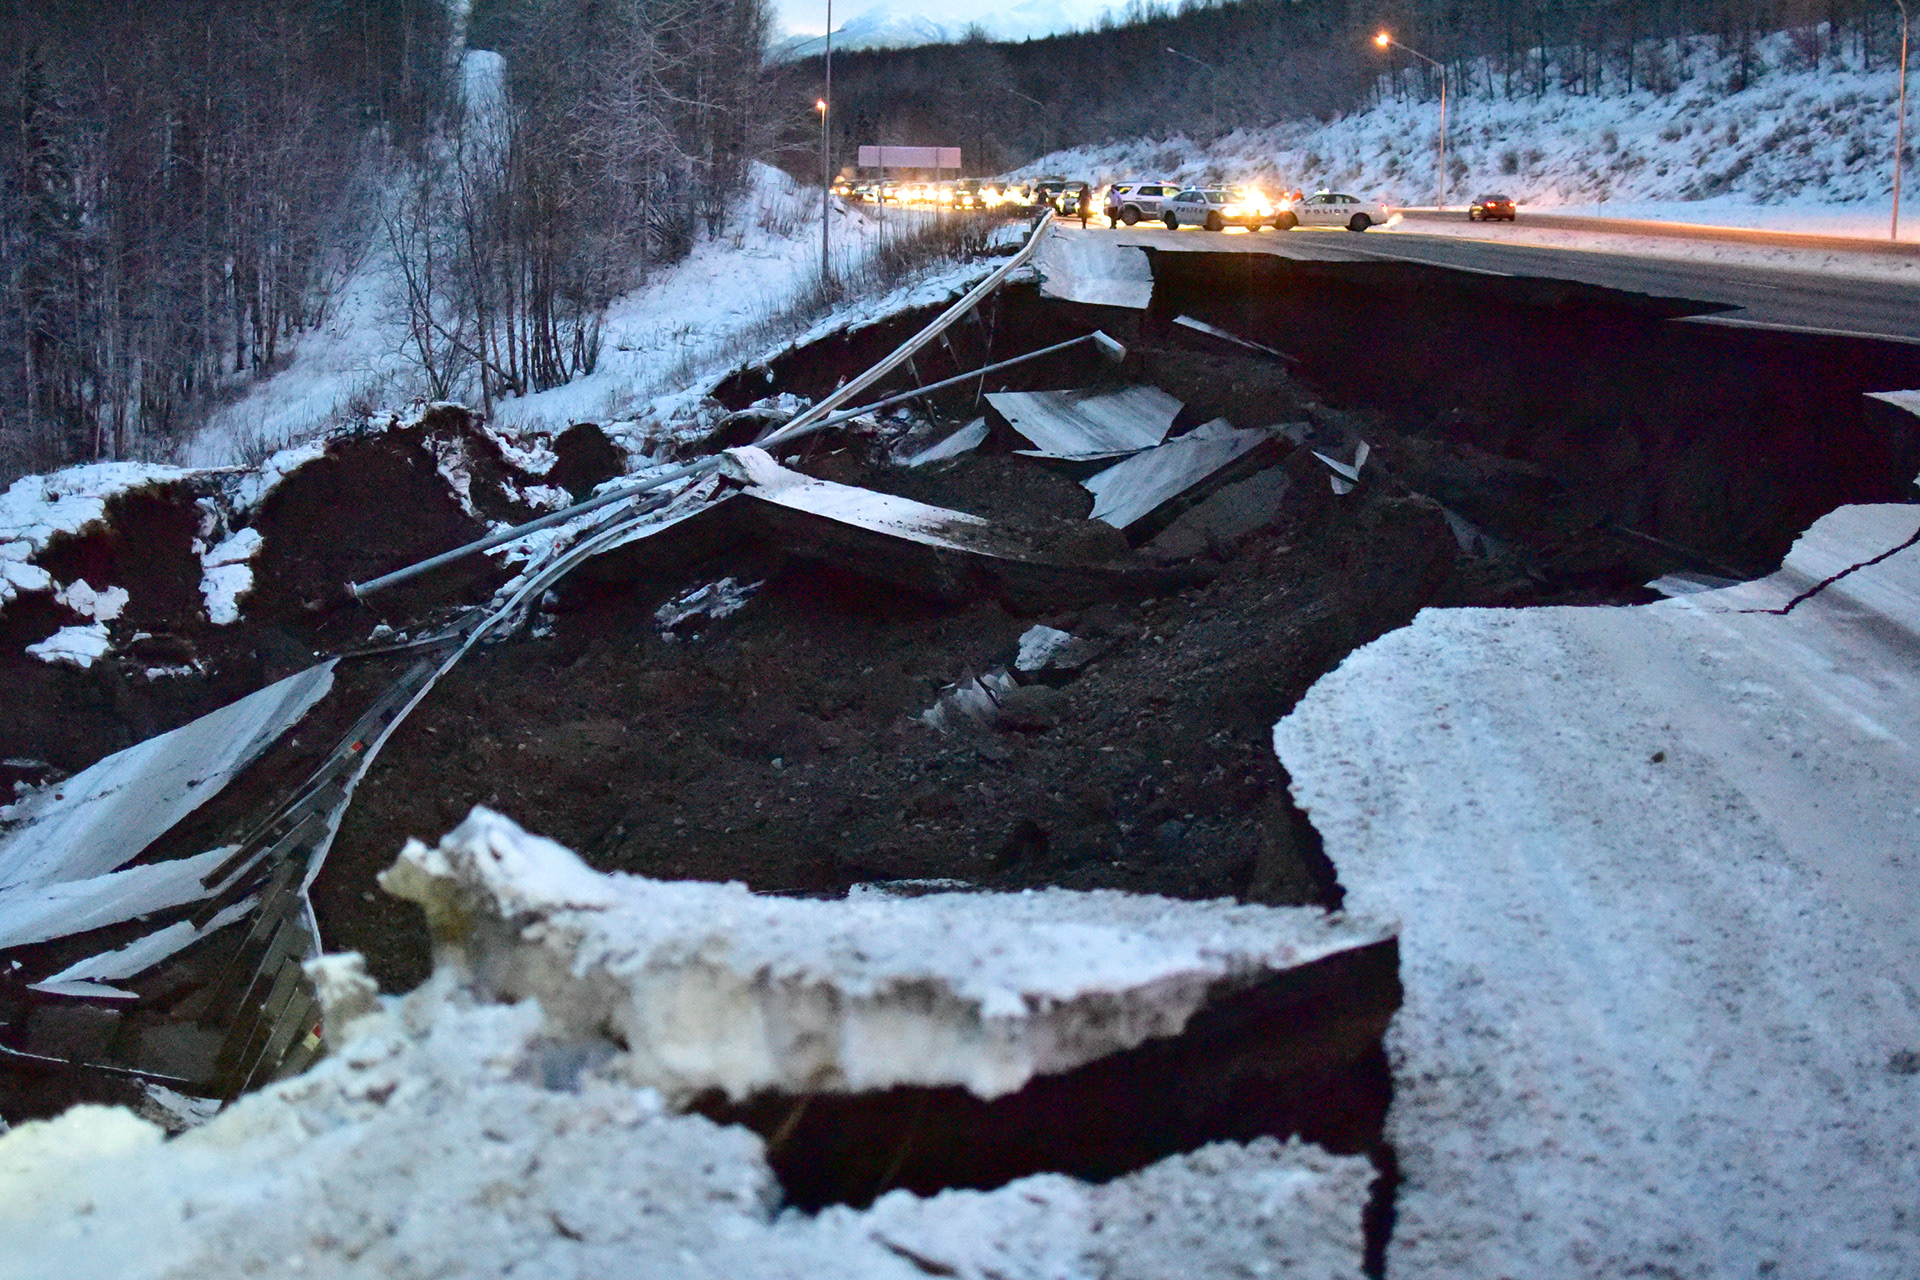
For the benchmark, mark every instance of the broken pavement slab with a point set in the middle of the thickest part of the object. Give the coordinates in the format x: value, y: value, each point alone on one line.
x: 452, y: 1132
x: 1142, y: 493
x: 931, y: 551
x: 1086, y: 426
x: 963, y: 441
x: 102, y: 817
x: 1657, y: 868
x: 1094, y: 270
x: 713, y: 988
x: 1224, y: 518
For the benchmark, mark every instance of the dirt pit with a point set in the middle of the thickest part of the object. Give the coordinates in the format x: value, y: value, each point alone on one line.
x: 782, y: 745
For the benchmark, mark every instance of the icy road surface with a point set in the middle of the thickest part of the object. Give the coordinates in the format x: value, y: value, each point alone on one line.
x: 1657, y: 867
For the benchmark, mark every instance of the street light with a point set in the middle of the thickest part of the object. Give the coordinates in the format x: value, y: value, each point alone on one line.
x: 1045, y: 120
x: 1386, y: 41
x: 826, y: 172
x: 1213, y: 84
x: 1900, y: 129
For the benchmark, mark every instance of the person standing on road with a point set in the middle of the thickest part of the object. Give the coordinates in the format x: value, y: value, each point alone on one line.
x: 1086, y: 204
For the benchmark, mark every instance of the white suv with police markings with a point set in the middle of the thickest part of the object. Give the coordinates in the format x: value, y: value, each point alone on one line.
x: 1334, y: 209
x: 1129, y: 202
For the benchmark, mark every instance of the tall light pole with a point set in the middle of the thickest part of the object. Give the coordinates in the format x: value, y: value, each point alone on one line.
x: 1043, y: 116
x: 1386, y: 41
x: 826, y: 160
x: 1900, y: 129
x: 1213, y: 84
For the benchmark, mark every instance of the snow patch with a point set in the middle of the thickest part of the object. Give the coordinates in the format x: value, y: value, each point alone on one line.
x: 36, y: 509
x: 73, y: 646
x: 714, y: 601
x: 451, y: 1137
x: 226, y: 575
x: 101, y: 606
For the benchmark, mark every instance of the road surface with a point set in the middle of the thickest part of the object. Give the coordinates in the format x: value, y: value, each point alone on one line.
x: 1758, y: 297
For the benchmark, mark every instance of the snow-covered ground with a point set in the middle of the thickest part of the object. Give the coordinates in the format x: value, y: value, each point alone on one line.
x: 1657, y: 868
x: 1806, y: 146
x: 354, y: 364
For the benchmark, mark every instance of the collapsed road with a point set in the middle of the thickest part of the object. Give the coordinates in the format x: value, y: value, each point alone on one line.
x: 1049, y: 655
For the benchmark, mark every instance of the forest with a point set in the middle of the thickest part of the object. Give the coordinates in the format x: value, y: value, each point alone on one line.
x: 185, y: 185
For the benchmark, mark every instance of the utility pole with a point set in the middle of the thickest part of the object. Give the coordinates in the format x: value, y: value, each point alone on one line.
x: 1386, y: 41
x: 1043, y: 116
x: 1213, y: 85
x: 826, y: 156
x: 1900, y: 129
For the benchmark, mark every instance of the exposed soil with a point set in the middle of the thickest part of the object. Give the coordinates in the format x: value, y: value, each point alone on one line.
x: 781, y: 746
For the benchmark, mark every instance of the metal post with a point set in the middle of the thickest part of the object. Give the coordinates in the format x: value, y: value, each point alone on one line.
x: 1386, y: 41
x: 826, y: 173
x: 1900, y: 129
x: 1213, y: 84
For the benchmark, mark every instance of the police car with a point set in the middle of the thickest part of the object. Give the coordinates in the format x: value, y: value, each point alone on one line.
x: 1216, y: 209
x: 1333, y: 209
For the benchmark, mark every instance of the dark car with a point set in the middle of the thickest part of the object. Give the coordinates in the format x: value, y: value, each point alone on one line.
x: 1491, y: 209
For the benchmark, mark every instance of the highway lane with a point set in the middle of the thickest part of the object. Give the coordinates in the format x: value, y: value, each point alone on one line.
x: 1754, y: 236
x: 1757, y: 297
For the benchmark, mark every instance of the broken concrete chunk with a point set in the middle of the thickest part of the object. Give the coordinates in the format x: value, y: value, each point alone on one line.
x: 1140, y: 491
x: 1080, y: 425
x: 454, y: 1138
x: 1039, y: 646
x: 973, y: 701
x: 1345, y: 474
x: 965, y: 440
x: 712, y: 988
x: 106, y: 814
x: 1047, y: 649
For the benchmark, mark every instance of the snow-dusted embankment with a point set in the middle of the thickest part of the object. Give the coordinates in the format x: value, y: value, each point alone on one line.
x: 1810, y: 138
x: 1657, y: 866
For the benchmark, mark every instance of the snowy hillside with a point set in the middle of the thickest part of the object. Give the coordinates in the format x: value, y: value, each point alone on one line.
x: 1803, y: 135
x: 356, y: 362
